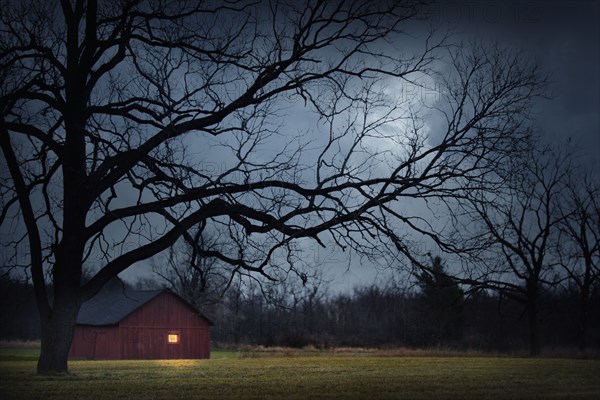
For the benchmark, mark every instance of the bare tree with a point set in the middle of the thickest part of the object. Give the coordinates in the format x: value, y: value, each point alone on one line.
x: 201, y: 281
x: 110, y: 110
x: 518, y: 229
x: 579, y: 244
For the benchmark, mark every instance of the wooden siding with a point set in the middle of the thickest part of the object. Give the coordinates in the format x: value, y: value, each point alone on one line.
x: 165, y: 310
x: 96, y: 343
x: 143, y: 334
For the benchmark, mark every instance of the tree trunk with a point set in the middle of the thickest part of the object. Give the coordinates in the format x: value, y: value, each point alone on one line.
x: 582, y: 327
x: 534, y: 337
x: 57, y: 335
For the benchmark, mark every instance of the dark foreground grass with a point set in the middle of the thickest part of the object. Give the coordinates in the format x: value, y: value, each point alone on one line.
x: 309, y: 378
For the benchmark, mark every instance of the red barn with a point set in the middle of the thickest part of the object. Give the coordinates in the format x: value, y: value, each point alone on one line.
x: 140, y: 324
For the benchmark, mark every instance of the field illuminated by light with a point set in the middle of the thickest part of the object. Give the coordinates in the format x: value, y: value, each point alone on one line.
x: 309, y: 378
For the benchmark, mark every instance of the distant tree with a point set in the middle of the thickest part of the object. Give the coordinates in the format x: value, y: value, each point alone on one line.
x: 201, y: 280
x: 518, y: 231
x: 108, y: 110
x: 18, y: 315
x: 579, y: 244
x: 441, y: 303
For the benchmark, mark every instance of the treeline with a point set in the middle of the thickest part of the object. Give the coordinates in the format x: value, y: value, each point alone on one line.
x: 19, y: 318
x: 436, y: 312
x: 375, y: 316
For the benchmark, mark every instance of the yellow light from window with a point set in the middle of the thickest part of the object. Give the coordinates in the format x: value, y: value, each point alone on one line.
x: 173, y: 338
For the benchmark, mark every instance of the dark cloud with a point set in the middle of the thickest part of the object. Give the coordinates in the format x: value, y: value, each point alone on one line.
x: 564, y: 37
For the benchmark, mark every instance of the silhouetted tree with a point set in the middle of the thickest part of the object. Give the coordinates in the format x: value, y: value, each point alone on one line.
x: 109, y: 110
x: 200, y: 280
x: 519, y: 225
x: 579, y: 244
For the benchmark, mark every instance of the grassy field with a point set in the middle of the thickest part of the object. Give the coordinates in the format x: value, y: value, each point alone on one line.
x: 32, y: 354
x: 227, y: 376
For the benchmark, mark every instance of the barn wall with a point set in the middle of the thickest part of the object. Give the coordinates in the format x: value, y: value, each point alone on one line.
x: 145, y: 331
x: 96, y: 343
x: 151, y: 343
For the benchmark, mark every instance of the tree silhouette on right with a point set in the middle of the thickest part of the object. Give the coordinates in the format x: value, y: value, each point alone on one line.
x: 579, y: 245
x: 516, y: 228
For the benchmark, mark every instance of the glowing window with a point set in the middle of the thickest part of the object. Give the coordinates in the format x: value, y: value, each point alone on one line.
x: 173, y: 338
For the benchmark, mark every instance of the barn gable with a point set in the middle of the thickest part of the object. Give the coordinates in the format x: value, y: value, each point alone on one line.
x: 129, y: 324
x: 180, y: 312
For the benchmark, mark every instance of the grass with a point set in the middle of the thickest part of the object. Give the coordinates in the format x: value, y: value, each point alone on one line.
x: 32, y: 354
x: 227, y: 376
x: 19, y: 354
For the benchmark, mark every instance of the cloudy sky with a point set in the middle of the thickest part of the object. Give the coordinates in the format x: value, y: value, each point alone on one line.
x: 564, y: 38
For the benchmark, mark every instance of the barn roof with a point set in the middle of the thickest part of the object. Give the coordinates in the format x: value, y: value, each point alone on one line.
x: 110, y: 307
